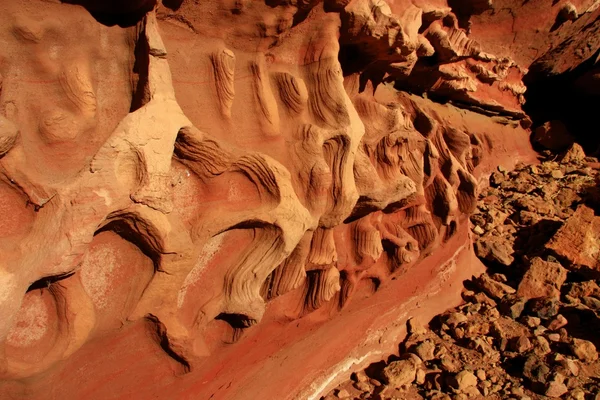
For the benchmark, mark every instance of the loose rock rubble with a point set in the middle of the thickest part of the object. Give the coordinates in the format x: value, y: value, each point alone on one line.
x: 529, y: 328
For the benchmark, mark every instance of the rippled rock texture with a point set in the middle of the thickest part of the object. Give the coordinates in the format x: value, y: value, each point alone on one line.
x: 246, y: 199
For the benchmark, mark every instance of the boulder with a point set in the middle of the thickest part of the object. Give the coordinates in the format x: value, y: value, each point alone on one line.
x: 542, y: 279
x: 400, y: 373
x: 578, y: 242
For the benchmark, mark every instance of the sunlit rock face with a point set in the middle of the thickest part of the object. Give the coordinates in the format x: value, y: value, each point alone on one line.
x: 246, y: 199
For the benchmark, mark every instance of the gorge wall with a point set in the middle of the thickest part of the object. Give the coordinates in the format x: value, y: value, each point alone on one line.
x: 245, y: 199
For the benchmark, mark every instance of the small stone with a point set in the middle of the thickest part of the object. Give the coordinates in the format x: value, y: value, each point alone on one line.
x: 584, y: 350
x: 543, y: 307
x: 521, y: 344
x: 374, y: 382
x: 481, y: 375
x: 557, y: 174
x: 456, y: 319
x: 363, y: 386
x: 459, y: 333
x: 449, y: 363
x: 568, y: 12
x: 464, y: 379
x: 568, y: 364
x: 584, y: 289
x: 478, y: 230
x: 492, y: 288
x: 512, y: 305
x: 558, y: 322
x: 541, y: 346
x: 535, y: 369
x: 576, y: 394
x: 415, y: 327
x: 531, y: 322
x: 400, y: 373
x: 553, y: 337
x: 425, y: 350
x: 539, y: 330
x: 420, y: 377
x: 472, y: 391
x: 360, y: 376
x: 342, y: 394
x: 495, y: 250
x: 591, y: 302
x: 556, y: 387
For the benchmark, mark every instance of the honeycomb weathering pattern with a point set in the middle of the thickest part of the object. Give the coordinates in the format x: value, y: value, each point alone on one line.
x: 169, y: 165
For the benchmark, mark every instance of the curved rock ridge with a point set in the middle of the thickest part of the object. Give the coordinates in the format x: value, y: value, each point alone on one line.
x: 200, y: 174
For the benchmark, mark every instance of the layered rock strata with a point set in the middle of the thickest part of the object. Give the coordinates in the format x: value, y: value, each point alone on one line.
x: 210, y: 197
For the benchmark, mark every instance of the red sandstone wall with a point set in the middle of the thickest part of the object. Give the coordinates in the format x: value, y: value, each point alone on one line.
x: 243, y: 199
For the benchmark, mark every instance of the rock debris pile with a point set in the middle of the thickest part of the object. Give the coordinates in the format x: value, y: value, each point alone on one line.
x: 529, y: 327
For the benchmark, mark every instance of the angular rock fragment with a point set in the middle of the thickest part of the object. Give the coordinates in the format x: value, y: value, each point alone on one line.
x: 400, y: 373
x: 542, y: 279
x: 492, y: 288
x: 577, y: 240
x: 584, y: 350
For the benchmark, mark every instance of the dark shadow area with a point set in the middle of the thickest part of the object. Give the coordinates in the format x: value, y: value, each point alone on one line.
x: 237, y: 321
x: 530, y: 240
x: 159, y: 331
x: 565, y: 97
x: 172, y: 4
x: 116, y: 12
x: 583, y: 323
x: 140, y: 95
x: 125, y: 230
x: 47, y: 281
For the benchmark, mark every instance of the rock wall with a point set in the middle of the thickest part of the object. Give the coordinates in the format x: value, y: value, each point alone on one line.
x: 244, y: 199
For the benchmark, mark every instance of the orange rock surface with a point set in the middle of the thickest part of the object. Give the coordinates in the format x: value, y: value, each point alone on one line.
x: 245, y: 199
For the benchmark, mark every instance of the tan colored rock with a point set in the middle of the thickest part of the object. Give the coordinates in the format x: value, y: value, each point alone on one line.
x: 584, y: 350
x: 584, y: 289
x: 521, y: 344
x: 494, y: 249
x: 558, y: 322
x: 455, y: 319
x: 577, y: 242
x: 542, y: 279
x: 425, y: 350
x: 463, y: 380
x: 575, y: 154
x: 492, y: 288
x: 400, y: 373
x: 556, y: 389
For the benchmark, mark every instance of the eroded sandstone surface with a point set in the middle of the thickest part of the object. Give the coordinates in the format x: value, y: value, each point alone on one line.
x: 248, y: 199
x: 528, y: 327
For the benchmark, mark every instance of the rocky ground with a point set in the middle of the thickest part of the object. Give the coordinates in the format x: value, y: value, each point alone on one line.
x: 529, y: 327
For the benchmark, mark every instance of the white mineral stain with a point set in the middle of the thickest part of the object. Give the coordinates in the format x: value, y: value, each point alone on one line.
x: 105, y: 195
x: 31, y: 323
x: 208, y: 251
x: 233, y: 192
x: 97, y: 268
